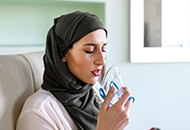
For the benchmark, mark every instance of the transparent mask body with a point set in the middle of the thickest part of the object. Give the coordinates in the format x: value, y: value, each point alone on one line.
x: 112, y: 78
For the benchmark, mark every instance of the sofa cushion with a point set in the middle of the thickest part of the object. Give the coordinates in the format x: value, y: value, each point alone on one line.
x: 16, y: 84
x: 35, y: 60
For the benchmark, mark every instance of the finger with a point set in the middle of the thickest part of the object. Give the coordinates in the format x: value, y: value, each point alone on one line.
x: 129, y: 104
x: 132, y: 98
x: 105, y: 105
x: 124, y: 98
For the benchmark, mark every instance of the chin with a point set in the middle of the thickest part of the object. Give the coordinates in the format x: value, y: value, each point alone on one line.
x: 92, y: 81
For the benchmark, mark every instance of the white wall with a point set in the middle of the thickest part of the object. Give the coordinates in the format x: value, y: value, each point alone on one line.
x: 161, y: 89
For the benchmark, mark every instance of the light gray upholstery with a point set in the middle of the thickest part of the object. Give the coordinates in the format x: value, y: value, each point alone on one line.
x: 20, y: 76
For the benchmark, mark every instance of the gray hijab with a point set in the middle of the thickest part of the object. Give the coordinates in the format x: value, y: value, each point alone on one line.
x: 76, y: 96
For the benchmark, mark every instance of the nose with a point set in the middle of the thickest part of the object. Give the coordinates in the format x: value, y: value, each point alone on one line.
x: 100, y: 58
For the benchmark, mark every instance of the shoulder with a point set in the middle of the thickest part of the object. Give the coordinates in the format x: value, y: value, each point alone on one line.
x: 38, y: 99
x: 42, y: 110
x: 33, y: 114
x: 39, y: 103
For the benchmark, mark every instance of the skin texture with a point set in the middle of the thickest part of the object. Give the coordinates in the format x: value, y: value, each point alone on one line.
x: 85, y: 60
x: 87, y: 55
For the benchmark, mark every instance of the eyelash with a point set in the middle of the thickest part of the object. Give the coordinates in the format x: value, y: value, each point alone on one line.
x: 90, y: 52
x: 103, y: 50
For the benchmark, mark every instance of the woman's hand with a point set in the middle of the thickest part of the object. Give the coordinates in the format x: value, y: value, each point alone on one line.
x: 114, y: 117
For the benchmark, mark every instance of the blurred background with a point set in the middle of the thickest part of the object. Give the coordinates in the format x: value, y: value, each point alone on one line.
x: 161, y: 89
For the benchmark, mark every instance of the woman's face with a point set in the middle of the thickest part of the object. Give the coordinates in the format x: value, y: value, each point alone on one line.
x: 87, y: 56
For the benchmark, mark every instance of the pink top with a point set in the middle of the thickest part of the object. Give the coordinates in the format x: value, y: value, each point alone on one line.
x: 43, y: 111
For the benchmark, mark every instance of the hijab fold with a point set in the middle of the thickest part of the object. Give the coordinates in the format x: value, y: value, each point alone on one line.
x: 76, y: 96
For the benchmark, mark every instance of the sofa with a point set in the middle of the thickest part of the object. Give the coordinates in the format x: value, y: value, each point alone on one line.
x: 20, y: 76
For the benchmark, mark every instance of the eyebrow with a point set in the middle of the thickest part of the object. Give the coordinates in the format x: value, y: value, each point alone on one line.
x: 93, y: 44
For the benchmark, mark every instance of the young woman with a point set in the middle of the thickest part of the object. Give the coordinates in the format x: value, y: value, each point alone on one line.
x: 69, y: 98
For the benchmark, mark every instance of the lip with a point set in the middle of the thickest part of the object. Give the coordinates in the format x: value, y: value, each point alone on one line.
x: 96, y: 72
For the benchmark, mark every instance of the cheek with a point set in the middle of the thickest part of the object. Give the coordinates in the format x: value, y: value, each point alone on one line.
x: 83, y: 59
x: 83, y: 66
x: 78, y: 62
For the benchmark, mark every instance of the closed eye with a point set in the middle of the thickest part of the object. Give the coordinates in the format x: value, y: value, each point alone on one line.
x: 89, y: 52
x: 93, y: 44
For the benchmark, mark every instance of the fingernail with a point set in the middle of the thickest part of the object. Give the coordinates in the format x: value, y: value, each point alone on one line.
x: 111, y: 89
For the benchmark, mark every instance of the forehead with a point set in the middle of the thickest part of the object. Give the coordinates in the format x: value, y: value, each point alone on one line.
x: 95, y: 37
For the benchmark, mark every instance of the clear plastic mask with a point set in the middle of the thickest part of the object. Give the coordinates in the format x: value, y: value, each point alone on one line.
x: 112, y: 78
